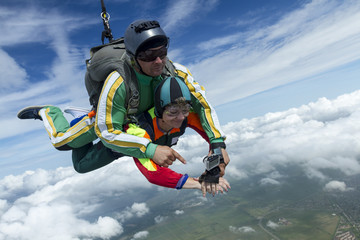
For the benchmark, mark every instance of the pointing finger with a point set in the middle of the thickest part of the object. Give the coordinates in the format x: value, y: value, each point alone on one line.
x: 178, y: 156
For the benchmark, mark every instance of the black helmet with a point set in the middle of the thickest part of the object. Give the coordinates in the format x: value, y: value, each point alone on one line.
x: 168, y: 91
x: 142, y: 35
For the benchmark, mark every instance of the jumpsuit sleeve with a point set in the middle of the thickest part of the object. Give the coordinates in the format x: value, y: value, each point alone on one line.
x: 110, y: 118
x: 193, y: 121
x: 201, y: 106
x: 154, y: 173
x: 158, y: 175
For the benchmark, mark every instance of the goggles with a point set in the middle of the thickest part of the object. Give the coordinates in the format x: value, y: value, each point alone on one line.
x: 174, y: 111
x: 151, y: 55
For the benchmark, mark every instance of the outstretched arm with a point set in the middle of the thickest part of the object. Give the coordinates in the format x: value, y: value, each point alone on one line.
x: 161, y: 176
x: 194, y: 123
x: 166, y: 177
x: 201, y: 105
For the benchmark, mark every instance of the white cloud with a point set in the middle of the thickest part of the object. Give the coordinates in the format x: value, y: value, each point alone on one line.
x: 244, y: 229
x: 219, y: 42
x: 318, y: 136
x: 272, y: 225
x: 61, y: 81
x: 3, y: 206
x: 275, y: 175
x: 179, y: 212
x: 158, y: 219
x: 269, y: 181
x: 140, y: 235
x: 44, y: 222
x: 137, y: 209
x: 336, y: 186
x: 26, y: 25
x: 61, y: 204
x: 140, y: 209
x: 175, y: 16
x: 11, y: 74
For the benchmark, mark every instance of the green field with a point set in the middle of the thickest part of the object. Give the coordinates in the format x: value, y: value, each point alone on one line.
x: 214, y: 223
x: 305, y: 224
x: 308, y: 213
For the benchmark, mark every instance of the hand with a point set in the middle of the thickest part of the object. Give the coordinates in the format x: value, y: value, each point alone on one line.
x: 165, y: 156
x: 214, y: 188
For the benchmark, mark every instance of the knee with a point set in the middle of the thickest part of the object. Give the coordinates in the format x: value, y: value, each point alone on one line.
x: 79, y: 169
x: 64, y: 148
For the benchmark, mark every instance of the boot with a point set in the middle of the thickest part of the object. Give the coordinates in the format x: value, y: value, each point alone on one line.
x: 31, y: 112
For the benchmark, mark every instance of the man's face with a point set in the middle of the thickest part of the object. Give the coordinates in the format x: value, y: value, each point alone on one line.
x: 153, y: 60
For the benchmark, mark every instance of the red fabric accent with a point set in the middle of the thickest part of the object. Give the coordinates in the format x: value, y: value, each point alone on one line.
x: 164, y: 177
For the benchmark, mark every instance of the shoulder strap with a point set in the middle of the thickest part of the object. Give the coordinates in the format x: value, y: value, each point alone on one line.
x: 145, y: 122
x: 131, y: 86
x: 169, y: 69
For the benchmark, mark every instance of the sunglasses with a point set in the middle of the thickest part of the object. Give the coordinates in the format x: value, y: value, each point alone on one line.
x: 173, y: 111
x: 151, y: 55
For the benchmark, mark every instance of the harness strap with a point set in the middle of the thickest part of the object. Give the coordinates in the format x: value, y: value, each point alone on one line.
x: 143, y: 121
x: 131, y: 85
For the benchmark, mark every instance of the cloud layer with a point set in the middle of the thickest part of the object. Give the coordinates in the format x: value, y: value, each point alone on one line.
x: 316, y: 137
x: 320, y: 136
x: 62, y: 204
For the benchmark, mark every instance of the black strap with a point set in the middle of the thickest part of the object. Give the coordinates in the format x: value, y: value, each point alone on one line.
x: 211, y: 176
x: 144, y: 120
x: 132, y: 88
x: 218, y: 145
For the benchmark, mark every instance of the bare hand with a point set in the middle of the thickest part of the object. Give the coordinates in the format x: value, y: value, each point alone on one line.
x: 214, y: 188
x: 165, y: 156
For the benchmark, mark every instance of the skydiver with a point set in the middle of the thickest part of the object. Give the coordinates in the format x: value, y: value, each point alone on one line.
x: 163, y: 125
x: 146, y: 57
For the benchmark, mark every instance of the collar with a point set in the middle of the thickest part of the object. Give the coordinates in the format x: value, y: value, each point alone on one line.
x: 145, y: 79
x: 162, y: 130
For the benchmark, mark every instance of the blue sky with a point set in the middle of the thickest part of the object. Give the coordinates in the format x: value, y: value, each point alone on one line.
x: 282, y: 75
x: 253, y: 57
